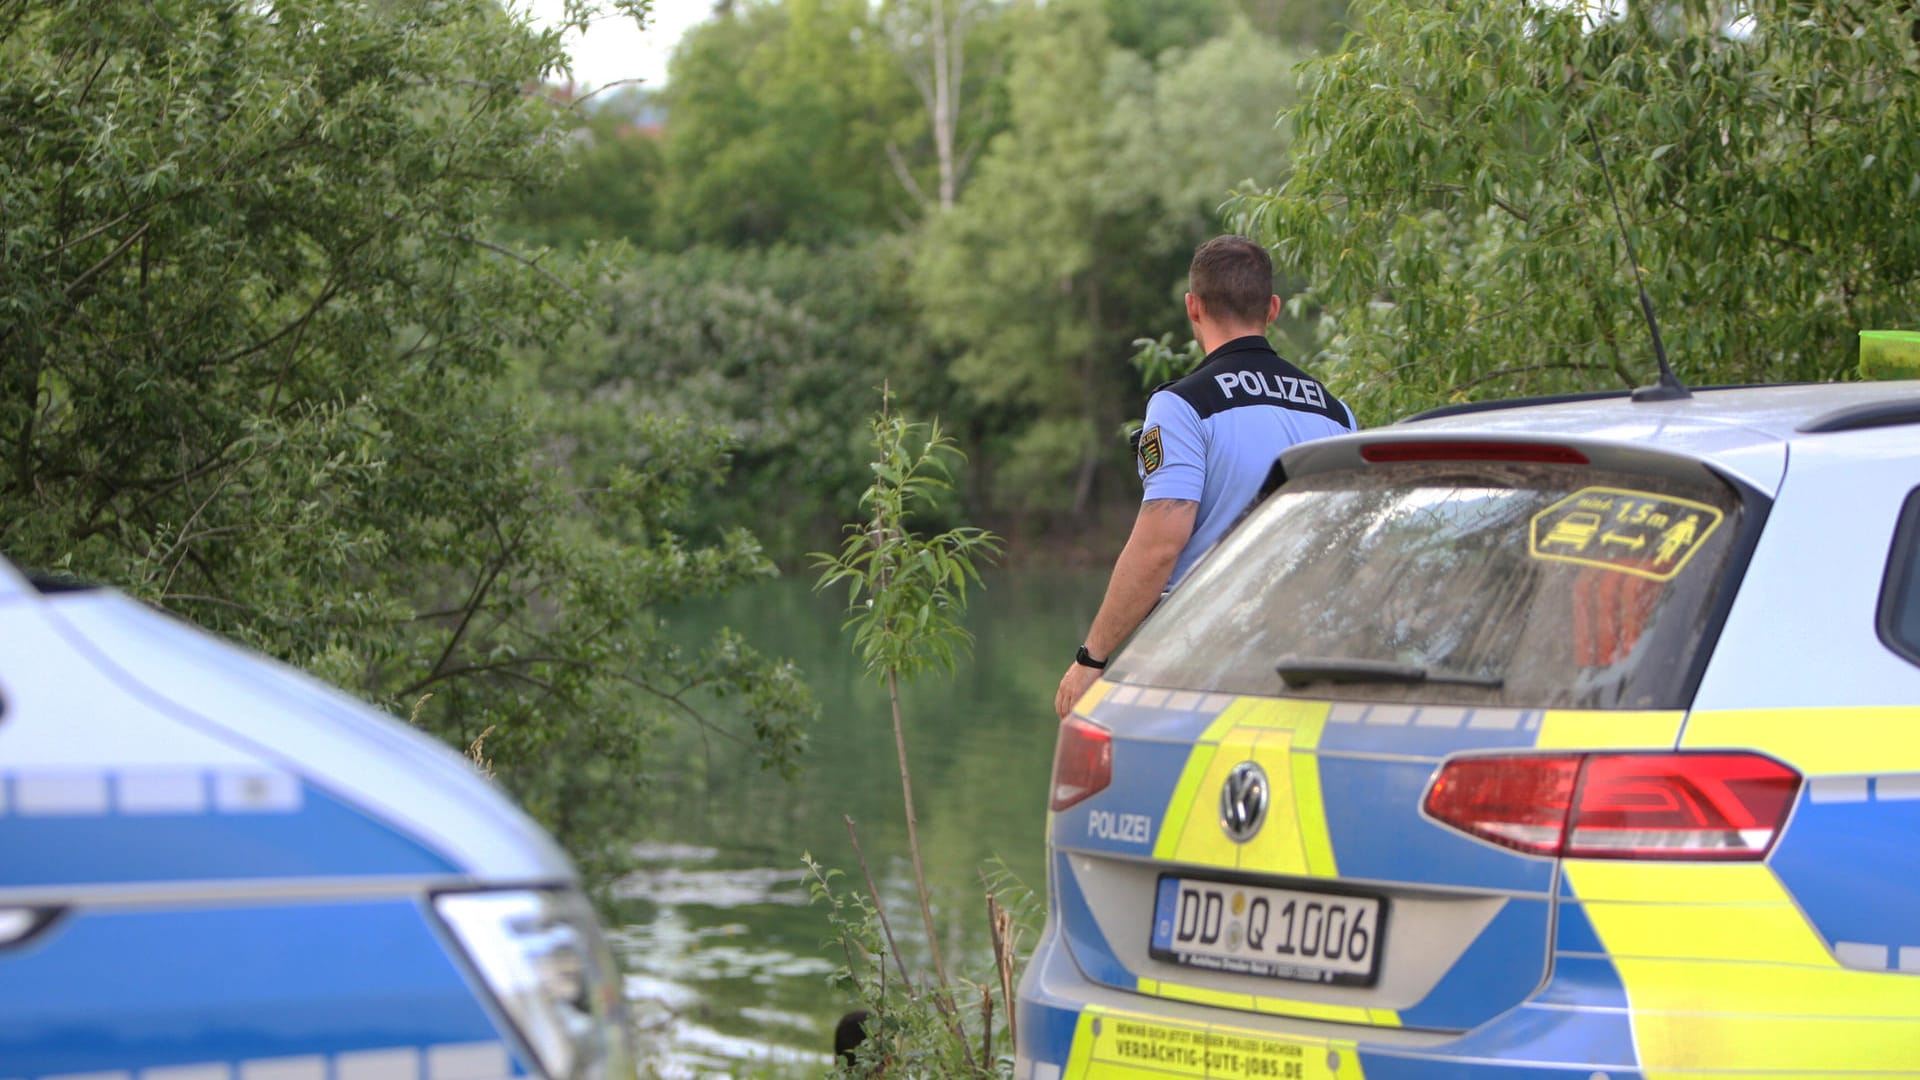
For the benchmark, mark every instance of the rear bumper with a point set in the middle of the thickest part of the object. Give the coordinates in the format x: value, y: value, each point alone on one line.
x: 1575, y: 1028
x: 1073, y: 1029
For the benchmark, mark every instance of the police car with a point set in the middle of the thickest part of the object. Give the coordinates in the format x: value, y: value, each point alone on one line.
x: 214, y: 868
x: 1575, y: 740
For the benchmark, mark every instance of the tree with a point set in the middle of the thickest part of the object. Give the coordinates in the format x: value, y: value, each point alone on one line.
x: 257, y: 350
x: 1074, y: 237
x: 1148, y: 28
x: 1448, y: 202
x: 782, y: 349
x: 608, y: 187
x: 1201, y: 124
x: 776, y: 119
x: 929, y: 39
x: 906, y: 598
x: 1008, y: 276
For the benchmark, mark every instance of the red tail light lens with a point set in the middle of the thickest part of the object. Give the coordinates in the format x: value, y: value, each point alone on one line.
x: 1680, y: 806
x: 1619, y: 806
x: 1082, y: 762
x: 1517, y: 802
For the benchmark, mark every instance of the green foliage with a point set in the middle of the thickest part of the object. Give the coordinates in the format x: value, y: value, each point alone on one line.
x: 1075, y: 235
x: 1149, y: 27
x: 780, y: 349
x: 777, y: 125
x: 1307, y: 25
x: 257, y: 348
x: 609, y: 187
x: 1447, y: 202
x: 1158, y: 361
x: 1890, y: 354
x: 907, y: 1034
x: 906, y: 593
x: 1198, y: 125
x: 1104, y: 135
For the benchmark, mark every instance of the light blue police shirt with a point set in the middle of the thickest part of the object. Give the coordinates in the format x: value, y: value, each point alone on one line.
x: 1212, y: 435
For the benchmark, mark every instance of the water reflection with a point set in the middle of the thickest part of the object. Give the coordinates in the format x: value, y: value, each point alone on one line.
x: 729, y: 968
x: 678, y: 956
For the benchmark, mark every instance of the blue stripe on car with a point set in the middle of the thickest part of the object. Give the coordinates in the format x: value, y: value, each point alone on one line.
x: 1871, y: 903
x: 1088, y: 944
x: 325, y: 837
x: 1144, y: 776
x: 1378, y: 834
x: 110, y: 990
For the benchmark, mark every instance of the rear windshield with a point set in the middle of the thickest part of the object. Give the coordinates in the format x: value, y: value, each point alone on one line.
x: 1542, y: 586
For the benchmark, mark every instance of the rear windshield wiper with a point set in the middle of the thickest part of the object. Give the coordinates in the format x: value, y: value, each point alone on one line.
x: 1301, y: 670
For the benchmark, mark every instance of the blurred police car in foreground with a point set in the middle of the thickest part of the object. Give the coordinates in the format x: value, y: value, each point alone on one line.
x: 214, y: 868
x: 1577, y: 740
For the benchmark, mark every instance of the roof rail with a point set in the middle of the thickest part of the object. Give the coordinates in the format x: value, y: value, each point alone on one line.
x: 1495, y: 404
x: 1873, y: 414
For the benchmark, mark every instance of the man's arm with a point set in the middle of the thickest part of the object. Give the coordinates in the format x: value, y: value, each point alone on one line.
x: 1140, y: 575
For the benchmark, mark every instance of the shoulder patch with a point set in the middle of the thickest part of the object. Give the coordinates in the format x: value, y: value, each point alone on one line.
x: 1151, y: 455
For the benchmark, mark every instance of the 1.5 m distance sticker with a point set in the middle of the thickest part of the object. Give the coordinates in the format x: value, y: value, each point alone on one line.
x: 1634, y: 532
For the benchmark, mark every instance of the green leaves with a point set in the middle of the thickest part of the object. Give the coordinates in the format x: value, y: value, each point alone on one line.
x: 906, y: 596
x: 906, y: 593
x: 262, y: 364
x: 1073, y: 238
x: 1447, y: 203
x: 780, y: 116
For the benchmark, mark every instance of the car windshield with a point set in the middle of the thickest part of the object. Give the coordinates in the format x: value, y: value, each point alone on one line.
x: 1528, y: 585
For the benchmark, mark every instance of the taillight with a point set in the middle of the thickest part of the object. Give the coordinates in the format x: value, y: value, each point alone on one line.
x: 1465, y: 450
x: 1082, y: 761
x: 1517, y: 802
x: 1691, y: 806
x: 1619, y: 806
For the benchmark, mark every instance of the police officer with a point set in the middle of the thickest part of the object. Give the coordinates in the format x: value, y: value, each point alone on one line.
x: 1209, y: 441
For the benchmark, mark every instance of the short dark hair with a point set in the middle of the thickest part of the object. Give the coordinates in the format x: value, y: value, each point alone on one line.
x: 1233, y: 277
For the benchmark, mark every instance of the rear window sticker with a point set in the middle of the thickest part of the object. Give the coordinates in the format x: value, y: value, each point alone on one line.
x: 1634, y: 532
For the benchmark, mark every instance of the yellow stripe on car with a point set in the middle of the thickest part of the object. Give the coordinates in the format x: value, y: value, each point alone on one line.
x: 1573, y: 729
x: 1109, y: 1045
x: 1817, y: 741
x: 1185, y: 798
x: 1723, y: 974
x: 1280, y: 735
x: 1200, y: 841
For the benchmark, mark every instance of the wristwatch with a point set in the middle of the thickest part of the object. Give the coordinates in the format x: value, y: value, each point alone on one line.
x: 1085, y: 659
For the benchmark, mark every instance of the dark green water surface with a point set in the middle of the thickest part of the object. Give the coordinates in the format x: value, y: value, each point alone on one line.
x: 727, y: 961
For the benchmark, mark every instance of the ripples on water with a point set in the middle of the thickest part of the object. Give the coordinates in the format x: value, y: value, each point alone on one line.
x: 709, y: 939
x: 729, y: 974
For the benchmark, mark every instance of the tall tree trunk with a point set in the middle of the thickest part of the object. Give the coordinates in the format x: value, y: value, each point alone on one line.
x: 934, y: 55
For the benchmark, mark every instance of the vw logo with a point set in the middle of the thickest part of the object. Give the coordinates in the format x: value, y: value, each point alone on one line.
x: 1243, y: 801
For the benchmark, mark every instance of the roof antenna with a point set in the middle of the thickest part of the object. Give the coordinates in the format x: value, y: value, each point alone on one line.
x: 1669, y: 388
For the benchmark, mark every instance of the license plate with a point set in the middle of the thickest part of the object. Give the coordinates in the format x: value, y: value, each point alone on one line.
x: 1278, y: 933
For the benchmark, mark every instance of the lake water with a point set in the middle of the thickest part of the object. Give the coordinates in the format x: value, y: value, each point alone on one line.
x: 727, y: 960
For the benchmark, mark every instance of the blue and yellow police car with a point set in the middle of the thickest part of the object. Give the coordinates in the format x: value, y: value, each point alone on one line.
x: 214, y: 868
x: 1576, y: 741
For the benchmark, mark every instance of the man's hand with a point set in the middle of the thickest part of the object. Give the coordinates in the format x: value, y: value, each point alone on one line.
x: 1072, y: 685
x: 1159, y: 532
